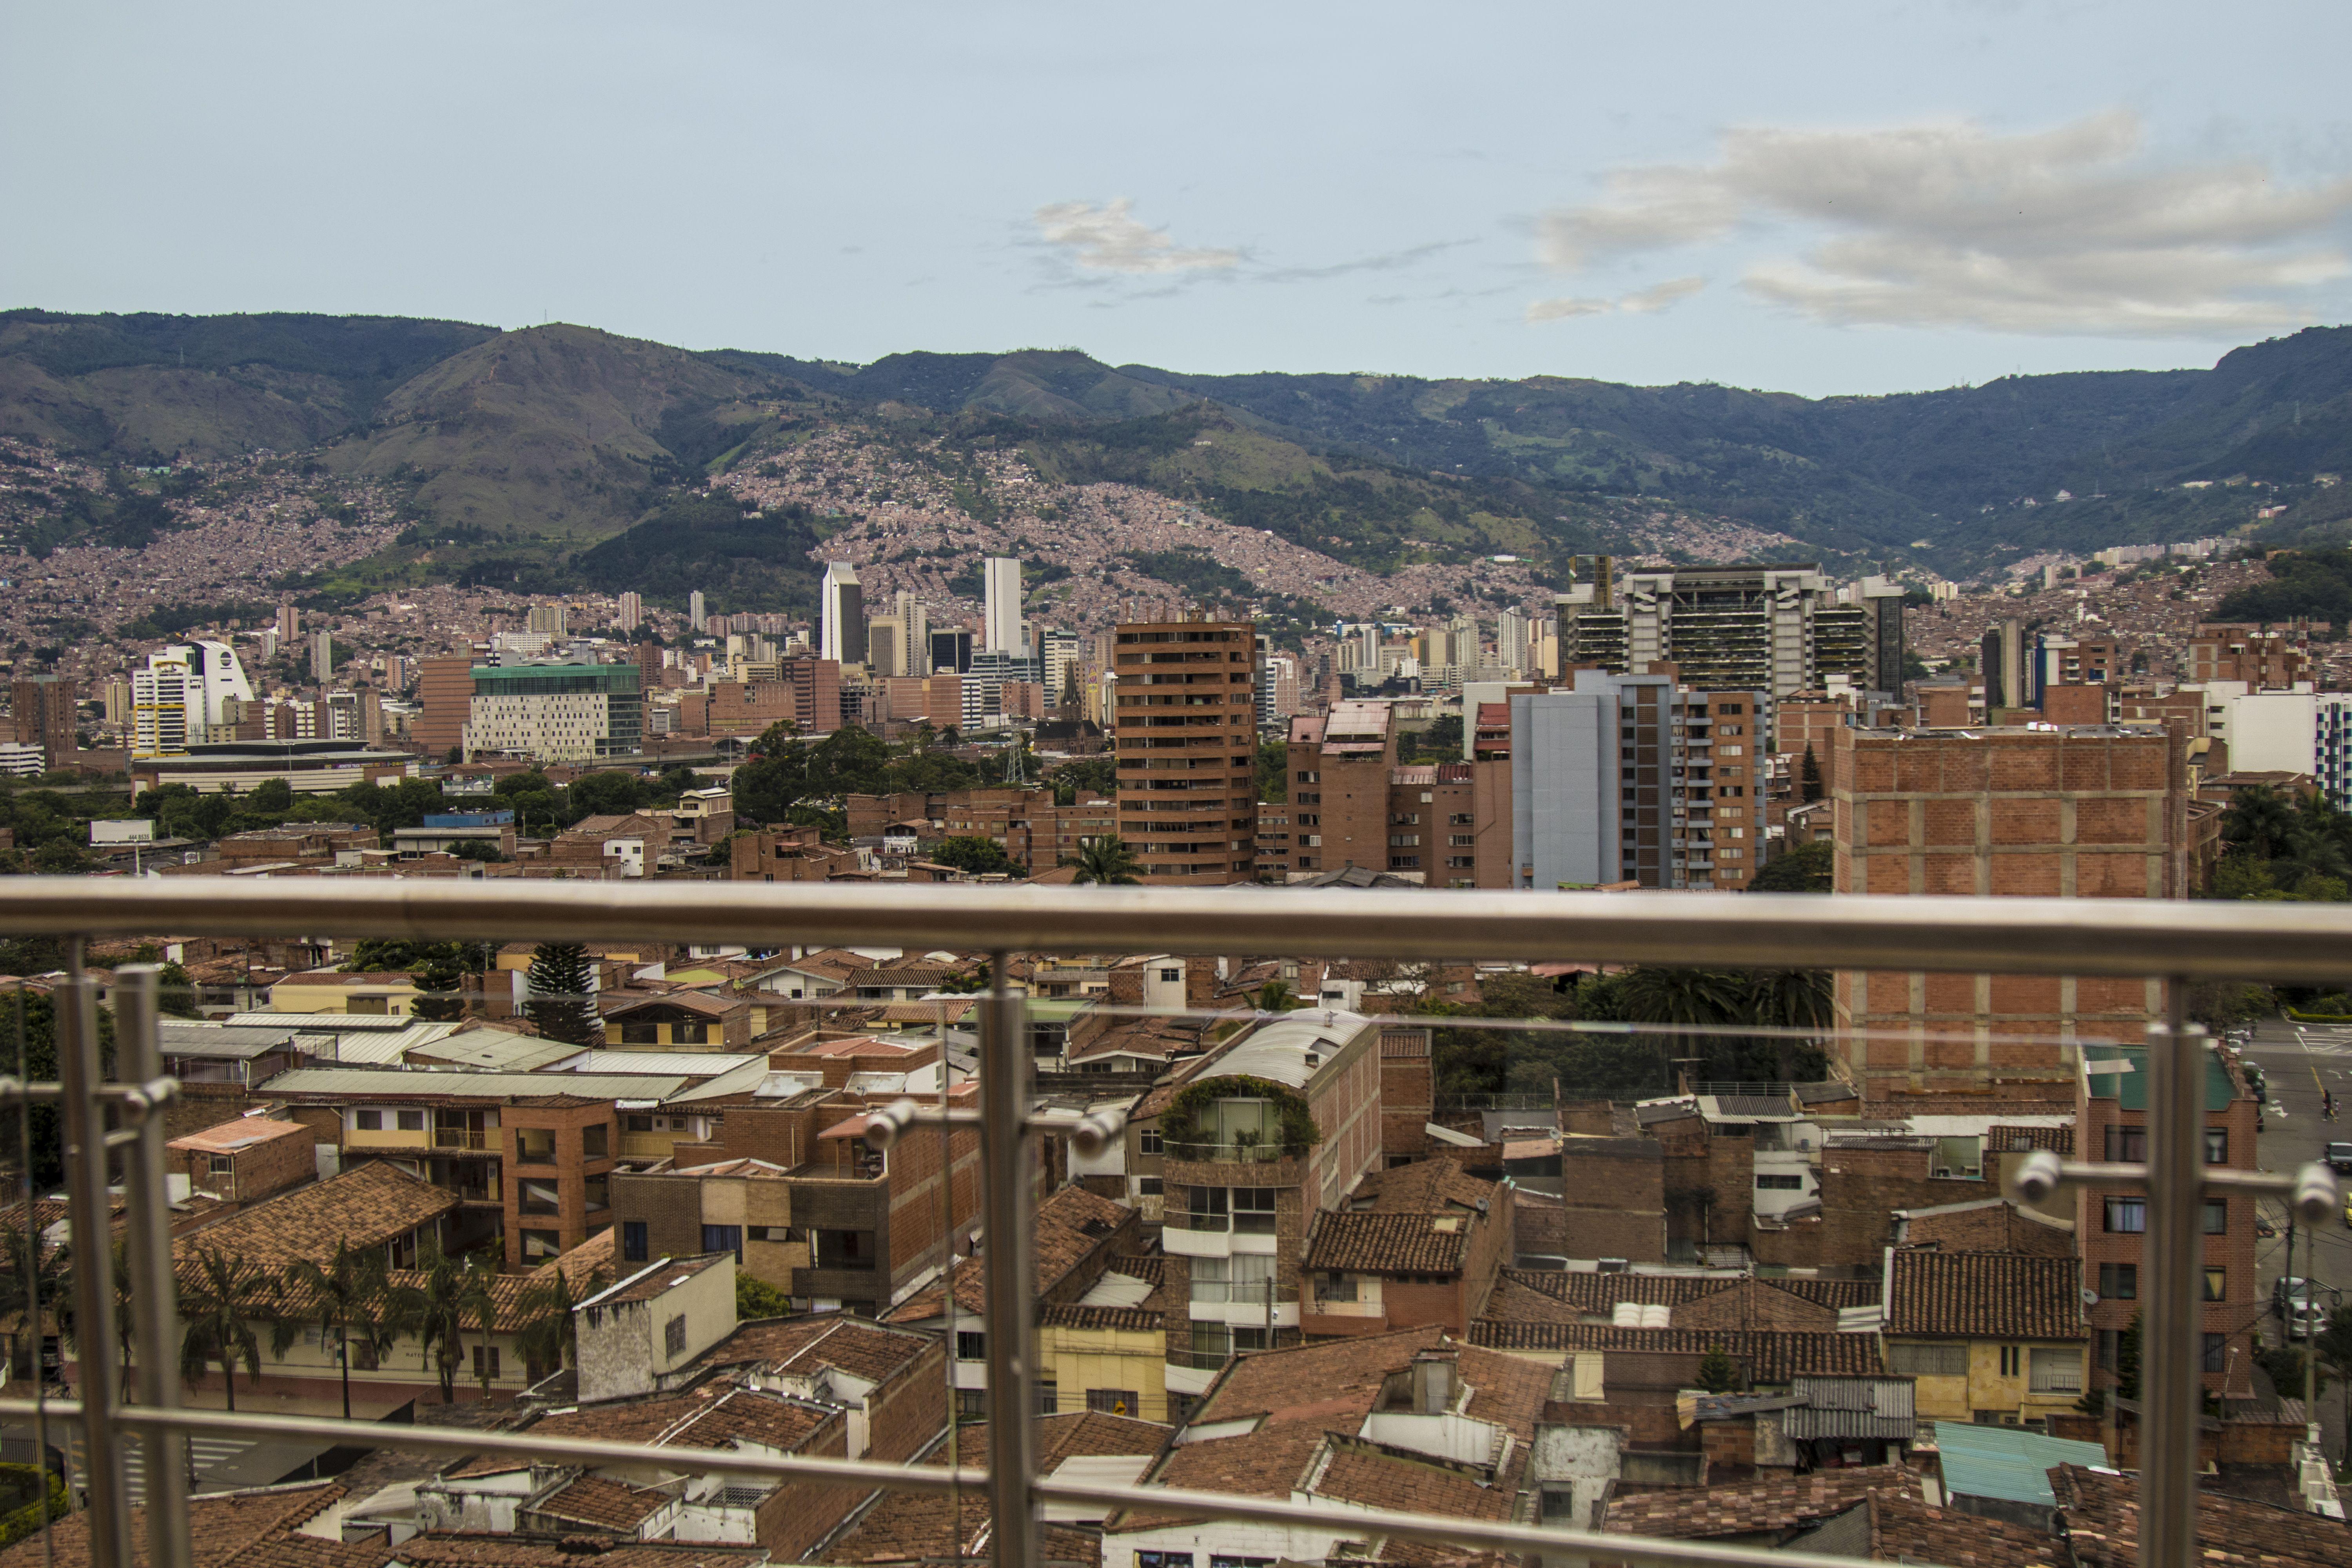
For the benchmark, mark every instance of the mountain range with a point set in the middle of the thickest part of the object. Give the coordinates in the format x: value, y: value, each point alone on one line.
x: 546, y: 441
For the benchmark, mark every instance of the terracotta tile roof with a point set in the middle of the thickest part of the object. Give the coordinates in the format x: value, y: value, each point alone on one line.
x: 1513, y: 1302
x: 1070, y: 1225
x: 1380, y: 1477
x: 1756, y: 1508
x: 1985, y: 1295
x: 222, y: 1528
x: 367, y: 1205
x: 1425, y: 1186
x: 608, y: 1505
x: 1270, y: 1462
x: 1341, y: 1379
x: 801, y: 1344
x: 1597, y: 1293
x: 585, y: 1266
x: 1388, y: 1243
x: 471, y: 1550
x: 1135, y: 1319
x: 2001, y: 1139
x: 1771, y: 1356
x: 1903, y: 1529
x: 2101, y: 1515
x: 715, y: 1416
x: 912, y: 1526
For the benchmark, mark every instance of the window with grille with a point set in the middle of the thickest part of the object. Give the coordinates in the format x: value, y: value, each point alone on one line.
x: 674, y: 1336
x: 632, y: 1241
x: 2217, y: 1216
x: 970, y: 1345
x: 492, y: 1370
x: 1111, y: 1401
x: 2056, y: 1371
x: 1928, y: 1360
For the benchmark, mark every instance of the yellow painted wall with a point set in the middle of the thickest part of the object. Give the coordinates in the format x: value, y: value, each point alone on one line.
x: 1986, y: 1388
x: 1081, y: 1358
x: 292, y: 997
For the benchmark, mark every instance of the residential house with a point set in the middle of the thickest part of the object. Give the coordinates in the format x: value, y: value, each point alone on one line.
x: 1417, y: 1244
x: 1993, y: 1337
x: 248, y: 1160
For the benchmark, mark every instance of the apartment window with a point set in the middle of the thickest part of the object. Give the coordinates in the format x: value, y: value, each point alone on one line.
x: 491, y: 1371
x: 970, y: 1345
x: 2217, y: 1284
x: 2216, y: 1352
x: 595, y: 1141
x: 368, y: 1121
x: 2217, y: 1216
x: 1049, y: 1397
x: 2217, y: 1146
x: 412, y: 1120
x: 1150, y: 1187
x: 1338, y: 1287
x: 2119, y: 1282
x: 1172, y: 977
x: 541, y: 1197
x: 2127, y: 1143
x: 632, y: 1241
x: 1164, y: 1560
x: 2126, y: 1216
x: 1462, y: 840
x: 697, y: 1033
x: 723, y: 1239
x: 220, y: 1165
x: 2010, y: 1357
x: 1463, y: 819
x: 1111, y: 1401
x: 1254, y: 1209
x: 2056, y: 1372
x: 674, y: 1336
x: 537, y: 1246
x: 972, y: 1405
x: 2110, y: 1346
x: 1927, y: 1361
x: 641, y: 1034
x: 1780, y: 1184
x: 1149, y: 1141
x: 636, y: 1124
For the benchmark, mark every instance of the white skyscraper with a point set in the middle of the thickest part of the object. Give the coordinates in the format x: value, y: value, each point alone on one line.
x: 696, y: 609
x: 1001, y: 606
x: 842, y: 606
x: 629, y: 611
x: 322, y: 657
x: 182, y: 694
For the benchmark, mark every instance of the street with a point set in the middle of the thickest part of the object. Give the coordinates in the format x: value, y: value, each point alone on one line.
x: 2298, y: 1061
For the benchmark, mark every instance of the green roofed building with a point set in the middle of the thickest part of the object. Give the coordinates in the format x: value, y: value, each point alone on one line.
x: 556, y: 712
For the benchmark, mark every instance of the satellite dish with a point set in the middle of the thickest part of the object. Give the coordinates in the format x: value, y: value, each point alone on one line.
x: 2090, y: 1297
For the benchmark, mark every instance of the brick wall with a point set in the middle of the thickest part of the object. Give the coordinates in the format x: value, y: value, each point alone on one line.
x: 799, y: 1514
x: 1407, y: 1095
x: 1860, y: 1188
x: 905, y: 1414
x: 257, y: 1172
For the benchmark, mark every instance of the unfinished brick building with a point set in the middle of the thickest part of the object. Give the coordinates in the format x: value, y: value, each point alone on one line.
x: 2092, y: 812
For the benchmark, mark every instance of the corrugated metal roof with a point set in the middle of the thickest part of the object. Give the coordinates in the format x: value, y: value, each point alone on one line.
x: 1852, y: 1407
x: 743, y: 1079
x: 424, y: 1082
x: 486, y: 1050
x: 219, y: 1040
x: 2009, y: 1463
x: 380, y: 1023
x: 694, y: 1063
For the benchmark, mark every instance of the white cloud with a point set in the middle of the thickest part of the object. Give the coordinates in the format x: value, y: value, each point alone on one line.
x: 1642, y: 302
x: 1108, y: 238
x: 2065, y: 231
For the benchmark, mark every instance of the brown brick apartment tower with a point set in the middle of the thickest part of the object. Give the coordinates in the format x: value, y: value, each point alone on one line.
x: 1187, y: 734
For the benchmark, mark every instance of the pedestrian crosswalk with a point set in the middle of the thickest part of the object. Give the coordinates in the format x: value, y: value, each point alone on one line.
x: 2327, y: 1042
x: 204, y: 1454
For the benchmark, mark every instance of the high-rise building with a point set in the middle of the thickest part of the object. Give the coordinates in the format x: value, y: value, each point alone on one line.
x: 2002, y: 663
x: 1278, y: 685
x: 322, y: 657
x: 1511, y: 640
x: 555, y: 620
x: 267, y: 642
x: 1631, y: 778
x: 951, y: 651
x: 1771, y: 628
x: 181, y: 696
x: 697, y: 609
x: 841, y: 613
x: 1060, y: 655
x: 629, y: 611
x: 2087, y: 812
x: 1187, y: 738
x: 914, y: 633
x: 1001, y: 606
x: 289, y: 624
x: 886, y: 646
x: 45, y: 708
x: 556, y: 712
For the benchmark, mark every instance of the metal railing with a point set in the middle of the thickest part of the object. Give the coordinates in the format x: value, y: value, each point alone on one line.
x: 2299, y: 943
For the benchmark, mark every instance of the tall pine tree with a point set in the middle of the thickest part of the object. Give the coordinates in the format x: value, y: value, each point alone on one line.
x: 562, y: 997
x: 1809, y: 777
x: 441, y: 976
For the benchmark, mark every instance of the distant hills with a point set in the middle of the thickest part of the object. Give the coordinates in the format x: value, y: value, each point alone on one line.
x: 537, y: 446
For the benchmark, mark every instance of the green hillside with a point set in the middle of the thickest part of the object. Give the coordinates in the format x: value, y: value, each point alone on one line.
x: 537, y: 446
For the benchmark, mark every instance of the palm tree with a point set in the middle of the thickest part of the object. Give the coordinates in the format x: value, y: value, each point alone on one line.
x: 2259, y: 822
x: 1789, y: 999
x: 1108, y: 860
x: 348, y: 1293
x: 1275, y: 996
x: 218, y: 1329
x: 1690, y: 998
x: 481, y: 1299
x: 33, y: 1286
x: 433, y: 1311
x: 545, y: 1340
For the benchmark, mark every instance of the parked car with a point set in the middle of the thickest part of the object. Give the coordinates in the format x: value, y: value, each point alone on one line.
x: 2339, y: 1156
x: 2298, y: 1303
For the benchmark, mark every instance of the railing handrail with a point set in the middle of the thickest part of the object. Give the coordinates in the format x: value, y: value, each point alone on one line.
x: 2128, y: 937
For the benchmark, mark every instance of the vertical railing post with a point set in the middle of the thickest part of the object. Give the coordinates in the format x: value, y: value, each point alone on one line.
x: 147, y: 1254
x: 2172, y: 1374
x: 93, y: 1265
x: 1009, y: 1249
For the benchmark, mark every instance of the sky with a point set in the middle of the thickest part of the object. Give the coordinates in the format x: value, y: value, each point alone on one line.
x: 1814, y: 197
